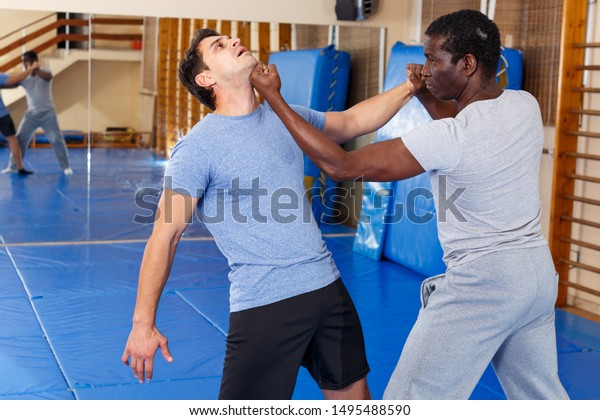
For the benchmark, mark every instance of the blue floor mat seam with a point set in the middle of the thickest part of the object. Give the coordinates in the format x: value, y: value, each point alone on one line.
x: 31, y: 302
x: 201, y: 313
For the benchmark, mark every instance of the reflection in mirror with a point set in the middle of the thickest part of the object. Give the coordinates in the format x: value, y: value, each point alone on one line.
x: 68, y: 45
x: 122, y: 86
x: 116, y: 80
x: 41, y: 32
x: 39, y: 208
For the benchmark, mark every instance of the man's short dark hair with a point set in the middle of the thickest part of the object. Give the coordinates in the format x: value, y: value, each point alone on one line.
x: 29, y: 56
x: 192, y: 64
x: 469, y: 32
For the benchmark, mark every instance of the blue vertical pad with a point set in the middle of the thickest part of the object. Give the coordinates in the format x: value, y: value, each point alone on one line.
x: 317, y: 79
x: 402, y: 227
x: 401, y: 224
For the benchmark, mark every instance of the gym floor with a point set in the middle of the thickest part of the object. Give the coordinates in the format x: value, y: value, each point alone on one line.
x: 69, y: 259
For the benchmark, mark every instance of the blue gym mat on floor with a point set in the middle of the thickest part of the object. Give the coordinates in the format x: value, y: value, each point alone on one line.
x: 69, y: 259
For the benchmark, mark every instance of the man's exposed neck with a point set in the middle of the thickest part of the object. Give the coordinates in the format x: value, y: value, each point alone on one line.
x: 237, y: 103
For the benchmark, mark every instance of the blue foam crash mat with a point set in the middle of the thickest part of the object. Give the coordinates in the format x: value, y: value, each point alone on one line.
x: 307, y: 74
x: 10, y: 283
x: 79, y: 270
x: 580, y: 375
x: 28, y: 366
x: 23, y: 325
x: 66, y: 307
x: 580, y: 332
x: 212, y: 304
x: 185, y: 389
x: 196, y: 345
x: 391, y: 219
x: 317, y: 79
x: 398, y: 219
x: 31, y: 396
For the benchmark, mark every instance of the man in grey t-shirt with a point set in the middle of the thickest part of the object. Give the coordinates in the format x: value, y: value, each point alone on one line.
x: 495, y: 302
x: 40, y: 113
x: 288, y: 304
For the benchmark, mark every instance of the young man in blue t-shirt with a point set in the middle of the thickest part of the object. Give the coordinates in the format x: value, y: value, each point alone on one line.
x: 288, y: 304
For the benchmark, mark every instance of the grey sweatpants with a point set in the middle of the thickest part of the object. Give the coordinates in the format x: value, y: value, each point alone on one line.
x: 49, y: 123
x: 498, y: 308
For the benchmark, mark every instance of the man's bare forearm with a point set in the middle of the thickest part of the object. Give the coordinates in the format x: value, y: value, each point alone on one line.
x: 368, y: 115
x: 154, y: 272
x: 324, y: 152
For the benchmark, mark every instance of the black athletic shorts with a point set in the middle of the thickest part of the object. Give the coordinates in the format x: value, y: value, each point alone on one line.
x: 7, y: 128
x: 266, y: 346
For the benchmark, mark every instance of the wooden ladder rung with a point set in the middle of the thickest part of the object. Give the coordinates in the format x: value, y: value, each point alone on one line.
x: 580, y: 221
x: 580, y: 287
x: 582, y: 178
x: 587, y: 67
x: 583, y: 134
x: 581, y: 155
x: 587, y: 45
x: 581, y: 243
x: 585, y: 90
x: 581, y: 199
x: 584, y: 111
x: 582, y: 266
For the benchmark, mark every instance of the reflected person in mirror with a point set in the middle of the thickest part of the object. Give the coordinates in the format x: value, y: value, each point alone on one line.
x: 40, y: 113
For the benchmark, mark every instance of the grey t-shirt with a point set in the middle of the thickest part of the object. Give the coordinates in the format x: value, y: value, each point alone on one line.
x: 484, y: 169
x: 38, y: 92
x: 249, y: 172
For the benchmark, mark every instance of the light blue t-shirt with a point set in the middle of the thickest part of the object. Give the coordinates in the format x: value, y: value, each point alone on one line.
x: 38, y: 92
x: 3, y: 110
x: 249, y: 172
x: 484, y: 167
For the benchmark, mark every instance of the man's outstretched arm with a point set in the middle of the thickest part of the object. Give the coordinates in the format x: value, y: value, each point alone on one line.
x: 15, y: 78
x: 173, y: 213
x: 381, y: 161
x: 366, y: 116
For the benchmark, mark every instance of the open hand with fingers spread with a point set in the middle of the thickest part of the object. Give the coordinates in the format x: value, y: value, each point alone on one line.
x: 415, y: 82
x: 265, y: 80
x: 140, y: 350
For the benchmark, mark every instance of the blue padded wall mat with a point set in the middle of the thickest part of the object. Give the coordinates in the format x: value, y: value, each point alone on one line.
x: 318, y: 79
x: 387, y: 224
x: 399, y: 224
